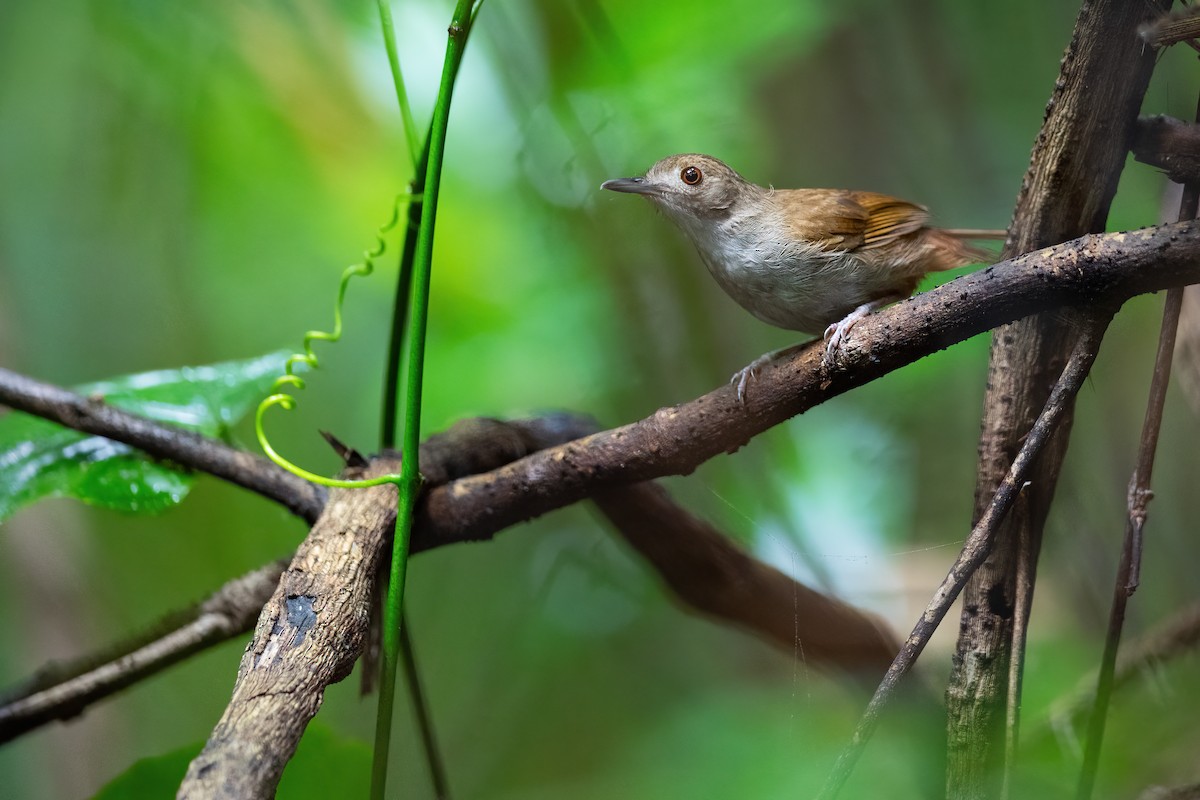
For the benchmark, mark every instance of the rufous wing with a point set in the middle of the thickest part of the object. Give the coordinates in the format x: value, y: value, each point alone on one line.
x: 838, y: 219
x: 889, y: 218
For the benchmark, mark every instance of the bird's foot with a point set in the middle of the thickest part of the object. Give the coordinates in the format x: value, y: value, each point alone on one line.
x: 743, y: 376
x: 837, y: 333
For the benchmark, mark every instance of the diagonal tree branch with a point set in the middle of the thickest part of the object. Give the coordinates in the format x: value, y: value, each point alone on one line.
x: 1097, y: 269
x: 1100, y: 268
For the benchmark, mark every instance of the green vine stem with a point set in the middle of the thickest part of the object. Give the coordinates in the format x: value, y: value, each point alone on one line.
x: 391, y: 378
x: 393, y: 56
x: 309, y: 359
x: 387, y: 441
x: 410, y: 478
x: 433, y: 758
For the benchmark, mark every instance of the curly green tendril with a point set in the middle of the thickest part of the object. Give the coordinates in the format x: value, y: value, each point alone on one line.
x: 309, y: 358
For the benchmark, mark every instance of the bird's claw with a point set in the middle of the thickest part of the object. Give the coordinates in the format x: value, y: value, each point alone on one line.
x: 837, y: 333
x: 835, y: 336
x: 742, y: 378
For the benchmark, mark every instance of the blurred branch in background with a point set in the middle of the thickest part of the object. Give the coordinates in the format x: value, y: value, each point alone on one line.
x: 1141, y: 658
x: 1170, y: 144
x: 1187, y: 347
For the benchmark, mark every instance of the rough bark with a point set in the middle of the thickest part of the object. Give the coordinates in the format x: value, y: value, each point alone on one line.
x: 308, y: 636
x: 1073, y: 175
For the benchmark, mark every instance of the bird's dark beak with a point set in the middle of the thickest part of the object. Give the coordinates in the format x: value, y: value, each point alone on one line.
x: 630, y: 186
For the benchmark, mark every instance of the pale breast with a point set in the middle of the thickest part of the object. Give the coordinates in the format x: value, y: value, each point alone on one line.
x: 793, y: 285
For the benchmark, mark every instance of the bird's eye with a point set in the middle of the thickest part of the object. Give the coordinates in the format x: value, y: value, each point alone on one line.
x: 690, y: 175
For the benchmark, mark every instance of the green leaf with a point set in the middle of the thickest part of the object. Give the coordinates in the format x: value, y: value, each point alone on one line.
x: 156, y: 776
x: 40, y: 459
x: 325, y: 765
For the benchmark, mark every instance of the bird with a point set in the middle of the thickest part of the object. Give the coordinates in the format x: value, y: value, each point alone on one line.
x: 810, y: 260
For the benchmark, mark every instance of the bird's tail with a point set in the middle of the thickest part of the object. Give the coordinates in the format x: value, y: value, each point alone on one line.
x: 975, y: 233
x: 955, y: 250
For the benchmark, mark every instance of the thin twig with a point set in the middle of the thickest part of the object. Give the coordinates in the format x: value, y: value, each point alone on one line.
x: 978, y: 544
x: 64, y: 691
x: 1022, y: 605
x: 1140, y: 494
x: 416, y: 695
x: 1169, y: 639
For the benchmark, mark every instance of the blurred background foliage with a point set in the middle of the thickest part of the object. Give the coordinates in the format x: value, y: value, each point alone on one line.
x: 183, y: 184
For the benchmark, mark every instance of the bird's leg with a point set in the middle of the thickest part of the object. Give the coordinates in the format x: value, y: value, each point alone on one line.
x: 835, y: 334
x: 743, y: 376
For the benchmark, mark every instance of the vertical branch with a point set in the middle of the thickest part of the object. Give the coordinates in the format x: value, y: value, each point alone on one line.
x: 416, y: 695
x: 1026, y: 575
x: 975, y: 550
x: 1129, y: 567
x: 406, y: 117
x: 1072, y: 177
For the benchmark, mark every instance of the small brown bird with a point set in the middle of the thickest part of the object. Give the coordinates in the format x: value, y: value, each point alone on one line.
x: 810, y: 260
